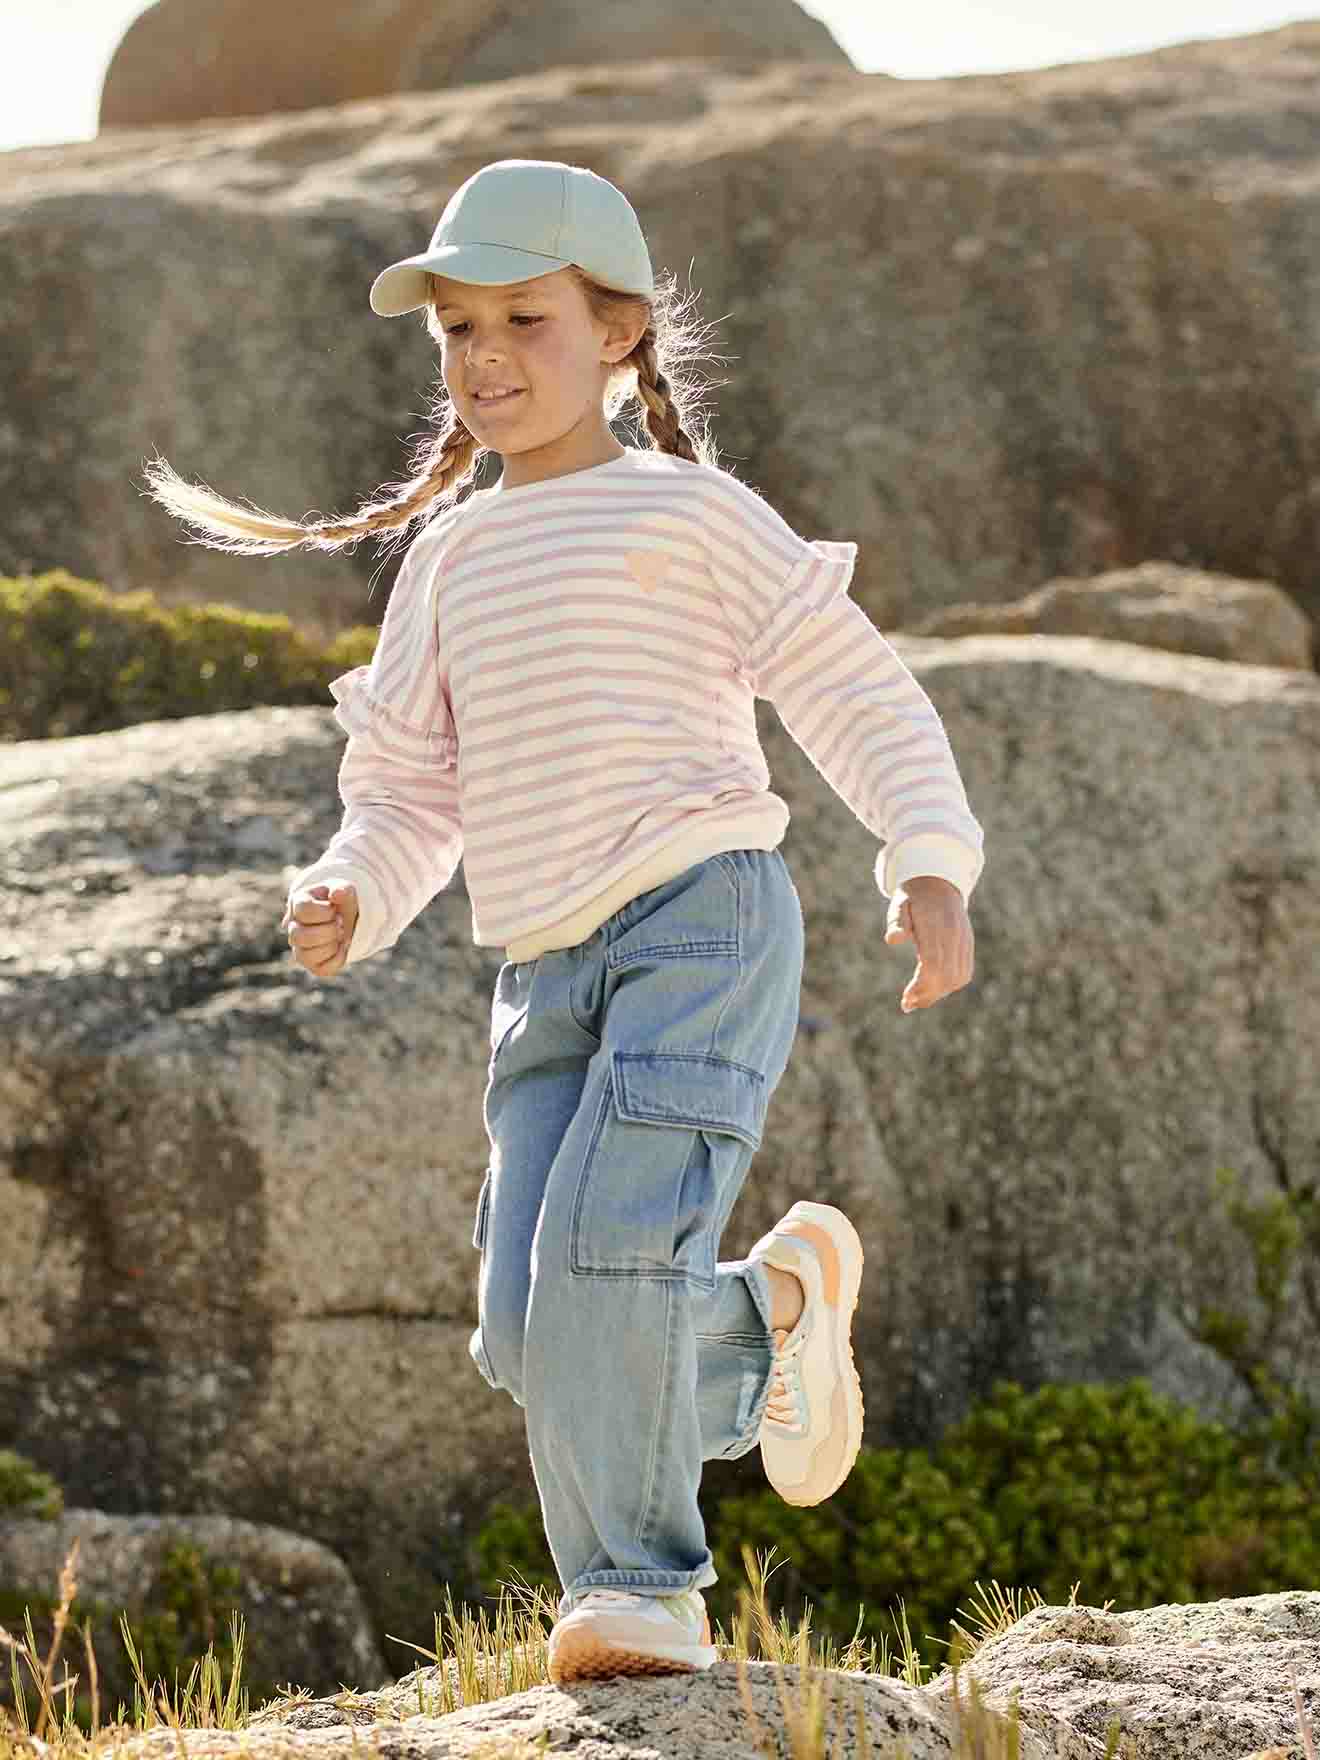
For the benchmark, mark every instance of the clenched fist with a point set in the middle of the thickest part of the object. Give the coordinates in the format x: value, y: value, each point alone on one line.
x: 321, y: 920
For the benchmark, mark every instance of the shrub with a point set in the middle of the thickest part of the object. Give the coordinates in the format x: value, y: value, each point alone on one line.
x: 1138, y: 1500
x: 76, y: 658
x: 1115, y: 1488
x: 26, y: 1491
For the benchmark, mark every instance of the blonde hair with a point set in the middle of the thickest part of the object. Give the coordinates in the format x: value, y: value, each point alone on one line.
x: 445, y: 461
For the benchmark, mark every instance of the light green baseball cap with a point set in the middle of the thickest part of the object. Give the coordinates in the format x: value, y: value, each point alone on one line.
x: 518, y: 218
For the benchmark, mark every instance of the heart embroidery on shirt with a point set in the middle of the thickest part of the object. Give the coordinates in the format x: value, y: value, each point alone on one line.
x: 649, y: 568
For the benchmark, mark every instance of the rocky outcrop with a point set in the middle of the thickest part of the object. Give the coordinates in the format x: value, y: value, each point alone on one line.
x: 996, y: 329
x: 1156, y: 604
x: 232, y: 1222
x: 1213, y: 1679
x: 190, y: 60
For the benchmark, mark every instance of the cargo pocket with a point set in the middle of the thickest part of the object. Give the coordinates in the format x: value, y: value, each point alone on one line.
x: 673, y: 1136
x: 483, y: 1213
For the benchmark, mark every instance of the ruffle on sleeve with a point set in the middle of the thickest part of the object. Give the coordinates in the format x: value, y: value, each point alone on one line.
x: 367, y: 718
x: 815, y: 579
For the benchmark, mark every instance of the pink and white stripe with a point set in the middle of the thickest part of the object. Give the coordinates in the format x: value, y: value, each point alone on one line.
x: 562, y: 694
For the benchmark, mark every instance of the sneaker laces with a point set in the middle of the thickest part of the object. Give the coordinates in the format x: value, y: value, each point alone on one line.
x: 784, y: 1406
x: 687, y: 1605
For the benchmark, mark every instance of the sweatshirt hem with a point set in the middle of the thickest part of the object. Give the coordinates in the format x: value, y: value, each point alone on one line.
x: 750, y: 826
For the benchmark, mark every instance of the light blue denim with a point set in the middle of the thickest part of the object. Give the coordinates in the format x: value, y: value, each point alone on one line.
x: 626, y: 1096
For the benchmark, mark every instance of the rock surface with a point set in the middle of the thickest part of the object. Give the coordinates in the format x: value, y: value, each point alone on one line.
x: 236, y: 1268
x: 303, y: 1617
x: 188, y: 60
x: 1156, y: 604
x: 996, y: 329
x: 1213, y: 1680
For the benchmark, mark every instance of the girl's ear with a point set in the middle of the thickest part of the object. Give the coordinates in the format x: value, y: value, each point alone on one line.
x: 622, y: 339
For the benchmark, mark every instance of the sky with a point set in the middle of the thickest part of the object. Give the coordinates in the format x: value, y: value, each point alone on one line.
x: 55, y: 54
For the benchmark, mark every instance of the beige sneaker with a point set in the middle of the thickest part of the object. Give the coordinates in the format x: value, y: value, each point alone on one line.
x: 812, y: 1428
x: 615, y: 1631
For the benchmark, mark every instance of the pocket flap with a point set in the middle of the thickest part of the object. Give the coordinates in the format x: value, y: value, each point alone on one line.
x: 687, y: 1088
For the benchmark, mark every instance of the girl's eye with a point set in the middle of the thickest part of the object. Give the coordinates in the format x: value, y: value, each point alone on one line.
x: 517, y: 318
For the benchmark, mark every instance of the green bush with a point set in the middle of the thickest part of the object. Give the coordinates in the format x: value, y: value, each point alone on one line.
x: 76, y: 658
x: 26, y: 1491
x: 1113, y: 1488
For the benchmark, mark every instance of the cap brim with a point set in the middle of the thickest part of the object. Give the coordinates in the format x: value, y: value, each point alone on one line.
x: 403, y: 286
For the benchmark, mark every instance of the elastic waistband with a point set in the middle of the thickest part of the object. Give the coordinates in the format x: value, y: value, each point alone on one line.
x: 750, y: 828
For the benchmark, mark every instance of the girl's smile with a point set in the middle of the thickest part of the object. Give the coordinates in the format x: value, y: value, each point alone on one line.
x: 497, y: 338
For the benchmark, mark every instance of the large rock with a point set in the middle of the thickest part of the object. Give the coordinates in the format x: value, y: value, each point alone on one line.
x: 1156, y: 604
x: 237, y: 1268
x: 1213, y: 1679
x: 185, y: 60
x: 996, y: 329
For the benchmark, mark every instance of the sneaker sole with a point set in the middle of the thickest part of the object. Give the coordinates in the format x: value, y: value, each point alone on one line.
x: 839, y: 1249
x: 583, y: 1653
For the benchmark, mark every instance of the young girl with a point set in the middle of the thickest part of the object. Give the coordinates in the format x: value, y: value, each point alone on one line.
x: 562, y: 693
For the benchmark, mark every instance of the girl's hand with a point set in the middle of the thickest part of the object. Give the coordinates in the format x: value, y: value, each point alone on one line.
x: 321, y: 920
x: 934, y: 916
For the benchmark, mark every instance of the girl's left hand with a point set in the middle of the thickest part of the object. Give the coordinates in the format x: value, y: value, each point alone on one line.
x: 933, y: 916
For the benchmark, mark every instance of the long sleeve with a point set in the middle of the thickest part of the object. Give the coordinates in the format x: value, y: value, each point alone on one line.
x: 867, y: 725
x: 842, y: 691
x: 401, y: 837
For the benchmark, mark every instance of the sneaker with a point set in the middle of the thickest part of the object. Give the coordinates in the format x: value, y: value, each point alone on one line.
x: 812, y: 1427
x: 615, y: 1631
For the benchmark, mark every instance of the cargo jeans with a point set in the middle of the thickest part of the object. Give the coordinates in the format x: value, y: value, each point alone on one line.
x: 626, y: 1096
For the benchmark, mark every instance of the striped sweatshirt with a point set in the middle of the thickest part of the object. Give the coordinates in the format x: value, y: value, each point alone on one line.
x: 563, y: 692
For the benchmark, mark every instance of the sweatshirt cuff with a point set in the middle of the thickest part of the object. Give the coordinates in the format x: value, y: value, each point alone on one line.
x: 929, y: 852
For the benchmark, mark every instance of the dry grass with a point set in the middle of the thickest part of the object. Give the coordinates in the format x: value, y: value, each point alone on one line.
x: 485, y: 1660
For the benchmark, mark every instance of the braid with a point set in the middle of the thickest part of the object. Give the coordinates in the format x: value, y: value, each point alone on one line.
x: 656, y: 395
x: 442, y: 464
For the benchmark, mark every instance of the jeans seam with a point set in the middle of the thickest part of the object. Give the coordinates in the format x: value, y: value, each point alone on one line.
x: 579, y: 1196
x: 731, y: 869
x: 645, y: 1517
x: 572, y: 1009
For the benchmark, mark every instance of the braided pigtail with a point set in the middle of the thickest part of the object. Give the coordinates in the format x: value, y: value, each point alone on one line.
x: 653, y: 373
x: 442, y: 463
x: 659, y: 405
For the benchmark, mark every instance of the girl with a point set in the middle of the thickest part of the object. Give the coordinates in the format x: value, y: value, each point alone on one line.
x: 562, y: 693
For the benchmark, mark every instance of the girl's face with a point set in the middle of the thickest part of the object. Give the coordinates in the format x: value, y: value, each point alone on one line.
x: 538, y: 339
